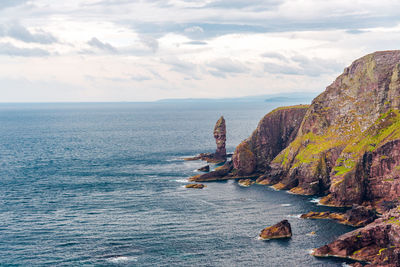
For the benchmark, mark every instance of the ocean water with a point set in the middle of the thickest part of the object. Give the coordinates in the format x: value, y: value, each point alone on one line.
x: 102, y: 185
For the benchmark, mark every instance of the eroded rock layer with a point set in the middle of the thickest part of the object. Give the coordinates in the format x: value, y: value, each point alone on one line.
x: 348, y: 142
x: 274, y: 132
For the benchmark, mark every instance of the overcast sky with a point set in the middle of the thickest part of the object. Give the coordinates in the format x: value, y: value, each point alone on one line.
x: 127, y: 50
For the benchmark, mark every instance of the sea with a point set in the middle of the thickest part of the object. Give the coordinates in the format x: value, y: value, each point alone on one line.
x: 102, y: 184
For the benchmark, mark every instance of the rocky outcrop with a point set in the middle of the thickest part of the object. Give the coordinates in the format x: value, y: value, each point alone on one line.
x: 246, y: 182
x: 274, y: 132
x: 279, y: 230
x: 357, y: 216
x: 348, y: 140
x: 204, y: 169
x: 220, y: 138
x: 377, y: 243
x: 220, y: 173
x: 195, y: 186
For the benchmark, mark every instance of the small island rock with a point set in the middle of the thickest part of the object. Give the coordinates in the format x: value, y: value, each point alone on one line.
x: 204, y: 169
x: 279, y: 230
x: 196, y: 186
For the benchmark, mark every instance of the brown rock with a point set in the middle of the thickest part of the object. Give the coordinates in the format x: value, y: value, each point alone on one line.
x: 220, y: 137
x: 279, y: 230
x: 246, y: 182
x: 274, y: 132
x: 196, y: 186
x: 378, y: 242
x: 349, y: 141
x: 357, y: 216
x: 218, y: 174
x: 204, y: 169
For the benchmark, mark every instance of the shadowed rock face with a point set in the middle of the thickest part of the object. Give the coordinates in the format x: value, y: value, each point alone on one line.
x: 274, y: 132
x: 220, y: 137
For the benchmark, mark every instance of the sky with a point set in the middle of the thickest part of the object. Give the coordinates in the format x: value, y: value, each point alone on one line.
x: 145, y: 50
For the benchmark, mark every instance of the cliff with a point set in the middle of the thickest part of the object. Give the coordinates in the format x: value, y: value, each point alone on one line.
x: 348, y: 140
x: 274, y: 132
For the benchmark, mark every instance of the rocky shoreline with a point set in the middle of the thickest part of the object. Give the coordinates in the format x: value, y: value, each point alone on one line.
x: 345, y: 146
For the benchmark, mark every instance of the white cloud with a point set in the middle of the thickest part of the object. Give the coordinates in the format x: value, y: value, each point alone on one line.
x: 145, y: 50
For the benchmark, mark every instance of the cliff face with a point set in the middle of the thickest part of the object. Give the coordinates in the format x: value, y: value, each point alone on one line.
x: 345, y: 136
x: 274, y: 132
x: 378, y: 242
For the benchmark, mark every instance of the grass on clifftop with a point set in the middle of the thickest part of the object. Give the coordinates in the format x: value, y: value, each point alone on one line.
x: 309, y: 148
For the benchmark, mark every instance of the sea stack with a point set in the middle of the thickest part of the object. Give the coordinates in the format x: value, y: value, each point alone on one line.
x: 220, y: 138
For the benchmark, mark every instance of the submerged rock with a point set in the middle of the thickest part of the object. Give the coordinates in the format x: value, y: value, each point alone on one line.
x: 246, y: 182
x: 196, y: 186
x: 279, y: 230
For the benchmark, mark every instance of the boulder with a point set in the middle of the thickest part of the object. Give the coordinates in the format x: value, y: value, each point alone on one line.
x: 279, y: 230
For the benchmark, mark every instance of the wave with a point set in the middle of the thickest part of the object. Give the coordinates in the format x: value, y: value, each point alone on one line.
x: 122, y: 259
x: 315, y: 200
x: 181, y: 180
x: 294, y: 216
x: 286, y: 205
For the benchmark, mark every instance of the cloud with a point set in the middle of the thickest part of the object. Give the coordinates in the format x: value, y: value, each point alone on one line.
x: 94, y: 42
x: 150, y: 42
x: 223, y: 66
x: 275, y: 55
x: 11, y: 50
x: 11, y: 3
x: 302, y: 65
x: 19, y: 32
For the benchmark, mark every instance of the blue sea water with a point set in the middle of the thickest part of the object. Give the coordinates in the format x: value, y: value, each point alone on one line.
x: 102, y: 185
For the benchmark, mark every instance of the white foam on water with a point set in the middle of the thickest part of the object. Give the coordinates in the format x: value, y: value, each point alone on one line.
x: 181, y: 180
x: 286, y: 205
x: 122, y: 259
x: 294, y: 216
x: 315, y: 200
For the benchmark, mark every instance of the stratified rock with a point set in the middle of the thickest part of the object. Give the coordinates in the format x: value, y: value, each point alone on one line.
x: 246, y: 182
x: 357, y: 216
x: 348, y: 144
x: 219, y: 173
x: 204, y: 169
x: 378, y: 242
x: 196, y: 186
x: 279, y: 230
x: 274, y: 132
x: 220, y: 138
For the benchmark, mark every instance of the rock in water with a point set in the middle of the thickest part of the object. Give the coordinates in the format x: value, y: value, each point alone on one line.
x: 279, y: 230
x: 196, y: 186
x: 220, y: 138
x: 204, y: 169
